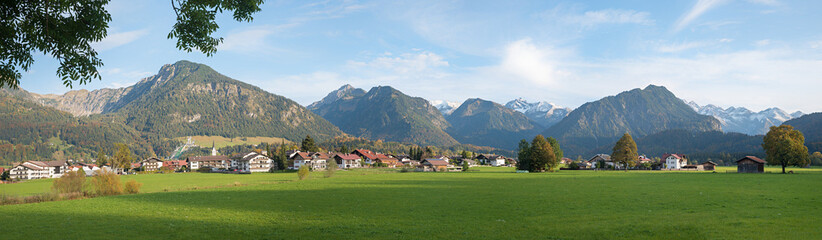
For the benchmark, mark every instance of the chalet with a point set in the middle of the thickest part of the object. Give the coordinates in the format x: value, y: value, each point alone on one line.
x: 601, y: 160
x: 388, y: 161
x: 313, y: 161
x: 213, y: 162
x: 643, y: 159
x: 175, y: 165
x: 750, y: 164
x: 709, y: 166
x: 432, y: 165
x: 39, y: 169
x: 441, y: 157
x: 674, y: 161
x: 367, y: 156
x: 151, y: 164
x: 347, y: 160
x: 493, y: 160
x: 566, y: 161
x: 252, y: 162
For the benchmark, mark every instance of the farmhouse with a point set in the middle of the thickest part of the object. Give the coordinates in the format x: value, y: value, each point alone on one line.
x: 347, y: 160
x: 750, y: 164
x: 213, y: 162
x: 174, y: 165
x: 674, y: 161
x: 252, y: 162
x: 313, y: 161
x: 601, y: 160
x: 493, y: 160
x: 433, y: 164
x: 388, y: 161
x: 151, y: 164
x: 39, y: 169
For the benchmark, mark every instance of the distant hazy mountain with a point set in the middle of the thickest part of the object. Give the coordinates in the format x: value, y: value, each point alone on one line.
x: 345, y: 92
x: 487, y: 123
x: 742, y: 120
x: 811, y: 127
x: 445, y: 107
x: 640, y: 112
x: 544, y: 113
x: 388, y: 114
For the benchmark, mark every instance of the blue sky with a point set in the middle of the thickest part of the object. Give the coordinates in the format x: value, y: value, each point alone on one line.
x: 749, y: 53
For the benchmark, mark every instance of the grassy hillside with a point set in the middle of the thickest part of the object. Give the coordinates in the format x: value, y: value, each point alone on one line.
x: 495, y: 204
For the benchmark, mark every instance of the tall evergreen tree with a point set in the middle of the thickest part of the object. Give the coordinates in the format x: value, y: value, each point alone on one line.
x: 523, y: 161
x: 625, y: 152
x: 282, y: 157
x: 308, y: 145
x: 785, y: 146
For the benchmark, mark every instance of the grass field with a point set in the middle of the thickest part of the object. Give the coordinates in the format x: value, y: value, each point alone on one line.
x: 219, y: 141
x: 492, y: 203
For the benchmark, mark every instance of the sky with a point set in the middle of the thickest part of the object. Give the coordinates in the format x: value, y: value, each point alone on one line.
x: 744, y: 53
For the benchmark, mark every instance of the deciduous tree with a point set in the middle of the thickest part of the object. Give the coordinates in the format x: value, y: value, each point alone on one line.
x: 625, y: 152
x: 785, y: 146
x: 65, y: 30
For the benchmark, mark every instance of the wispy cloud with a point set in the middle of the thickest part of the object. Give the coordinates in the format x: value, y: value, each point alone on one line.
x: 701, y: 7
x: 118, y: 39
x: 252, y: 39
x: 407, y: 63
x: 611, y: 16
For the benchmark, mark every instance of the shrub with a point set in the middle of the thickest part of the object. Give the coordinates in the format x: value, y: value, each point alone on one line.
x: 303, y: 172
x: 70, y: 182
x: 133, y: 187
x: 405, y: 169
x: 204, y: 170
x: 465, y: 166
x: 107, y: 183
x: 330, y: 168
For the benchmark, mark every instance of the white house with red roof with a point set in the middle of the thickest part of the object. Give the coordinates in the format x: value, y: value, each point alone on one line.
x: 674, y: 161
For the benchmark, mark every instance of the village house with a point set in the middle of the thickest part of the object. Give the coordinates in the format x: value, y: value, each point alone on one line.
x: 601, y: 160
x: 433, y: 165
x: 175, y: 165
x: 493, y: 160
x: 151, y: 164
x: 213, y: 162
x: 674, y: 161
x: 388, y: 161
x: 750, y: 164
x: 441, y: 157
x: 643, y: 159
x: 312, y: 160
x: 252, y: 162
x: 471, y: 163
x: 39, y: 169
x: 566, y: 161
x: 367, y: 156
x: 347, y: 160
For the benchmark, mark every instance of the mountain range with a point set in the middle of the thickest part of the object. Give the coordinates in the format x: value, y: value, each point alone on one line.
x: 639, y: 112
x: 187, y: 98
x: 544, y: 113
x: 385, y: 113
x: 742, y: 120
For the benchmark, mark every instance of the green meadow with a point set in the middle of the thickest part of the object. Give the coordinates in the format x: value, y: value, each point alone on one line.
x: 488, y: 203
x: 219, y: 141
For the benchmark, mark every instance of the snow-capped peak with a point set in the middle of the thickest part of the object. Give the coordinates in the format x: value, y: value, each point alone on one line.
x: 743, y: 120
x: 445, y: 107
x: 544, y: 113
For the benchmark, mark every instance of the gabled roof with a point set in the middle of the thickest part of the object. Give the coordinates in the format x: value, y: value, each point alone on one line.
x: 365, y: 153
x: 604, y: 157
x: 207, y: 158
x: 675, y: 155
x: 302, y: 156
x: 753, y: 158
x: 152, y: 159
x: 251, y: 155
x: 348, y: 156
x: 709, y: 162
x: 435, y: 162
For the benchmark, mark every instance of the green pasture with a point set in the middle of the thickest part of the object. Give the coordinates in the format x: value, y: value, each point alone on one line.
x: 219, y: 141
x: 488, y: 203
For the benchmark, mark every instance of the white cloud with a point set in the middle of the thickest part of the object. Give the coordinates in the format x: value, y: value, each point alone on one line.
x: 679, y: 47
x: 252, y: 39
x: 118, y: 39
x: 762, y: 43
x: 537, y: 65
x: 610, y: 16
x: 699, y: 8
x: 117, y: 77
x: 417, y: 64
x: 766, y: 2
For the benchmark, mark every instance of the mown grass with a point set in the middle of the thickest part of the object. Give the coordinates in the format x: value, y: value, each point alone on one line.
x: 220, y: 141
x: 491, y: 203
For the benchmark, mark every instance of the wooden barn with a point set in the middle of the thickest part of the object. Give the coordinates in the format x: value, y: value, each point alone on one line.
x: 709, y: 166
x: 750, y: 164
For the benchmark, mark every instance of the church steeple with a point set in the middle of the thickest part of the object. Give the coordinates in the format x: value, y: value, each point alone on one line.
x: 213, y: 149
